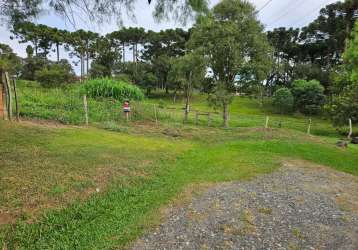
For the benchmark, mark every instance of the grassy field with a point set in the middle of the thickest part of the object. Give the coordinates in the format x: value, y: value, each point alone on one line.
x: 65, y: 105
x: 247, y: 112
x: 88, y: 188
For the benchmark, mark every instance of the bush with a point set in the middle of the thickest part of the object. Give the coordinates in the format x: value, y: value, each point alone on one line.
x: 105, y: 87
x: 56, y: 74
x: 283, y: 100
x: 149, y: 82
x: 346, y: 106
x: 308, y: 96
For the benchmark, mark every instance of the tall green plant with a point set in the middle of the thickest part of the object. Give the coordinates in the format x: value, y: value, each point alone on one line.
x: 106, y: 87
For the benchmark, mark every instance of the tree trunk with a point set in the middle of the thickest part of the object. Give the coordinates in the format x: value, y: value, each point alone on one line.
x: 226, y: 114
x: 187, y: 108
x: 58, y: 52
x: 175, y: 95
x: 82, y: 66
x: 350, y: 13
x: 87, y: 61
x: 124, y: 52
x: 133, y: 48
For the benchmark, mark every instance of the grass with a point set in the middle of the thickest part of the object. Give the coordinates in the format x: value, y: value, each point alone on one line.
x: 88, y: 188
x: 50, y: 176
x: 246, y: 112
x: 65, y: 105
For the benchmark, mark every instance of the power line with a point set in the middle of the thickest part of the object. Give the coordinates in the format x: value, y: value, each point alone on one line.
x: 300, y: 20
x: 286, y: 6
x: 287, y: 12
x: 264, y: 6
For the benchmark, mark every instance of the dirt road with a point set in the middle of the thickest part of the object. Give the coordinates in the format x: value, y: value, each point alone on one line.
x: 300, y: 206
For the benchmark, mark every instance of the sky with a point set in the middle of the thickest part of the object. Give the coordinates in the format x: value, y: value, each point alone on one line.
x: 273, y: 13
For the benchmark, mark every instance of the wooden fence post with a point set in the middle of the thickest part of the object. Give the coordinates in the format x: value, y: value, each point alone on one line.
x: 4, y: 95
x: 267, y: 122
x: 196, y: 117
x: 155, y: 114
x: 309, y: 127
x: 85, y: 106
x: 209, y: 119
x: 16, y: 101
x: 9, y: 98
x: 350, y: 129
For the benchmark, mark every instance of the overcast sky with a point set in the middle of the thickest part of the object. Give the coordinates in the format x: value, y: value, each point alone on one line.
x: 276, y: 13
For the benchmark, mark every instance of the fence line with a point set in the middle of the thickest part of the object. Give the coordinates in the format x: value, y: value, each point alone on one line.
x: 68, y: 107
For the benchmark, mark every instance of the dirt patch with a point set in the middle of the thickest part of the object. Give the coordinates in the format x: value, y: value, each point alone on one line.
x: 300, y: 206
x: 46, y: 123
x: 6, y: 218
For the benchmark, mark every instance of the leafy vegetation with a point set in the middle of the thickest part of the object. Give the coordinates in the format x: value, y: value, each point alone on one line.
x: 283, y: 100
x: 106, y: 87
x: 313, y: 53
x: 308, y: 95
x: 346, y: 106
x: 221, y: 37
x: 55, y: 74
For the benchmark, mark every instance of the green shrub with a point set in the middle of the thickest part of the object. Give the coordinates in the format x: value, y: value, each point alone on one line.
x: 345, y: 106
x: 283, y: 100
x: 54, y: 75
x: 308, y: 96
x: 105, y: 87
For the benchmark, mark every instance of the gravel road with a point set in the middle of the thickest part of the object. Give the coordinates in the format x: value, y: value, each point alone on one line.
x: 300, y: 206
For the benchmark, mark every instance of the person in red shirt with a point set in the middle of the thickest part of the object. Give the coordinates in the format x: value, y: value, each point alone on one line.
x: 126, y: 109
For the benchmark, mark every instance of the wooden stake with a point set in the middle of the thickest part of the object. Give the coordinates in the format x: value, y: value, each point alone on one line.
x: 155, y: 114
x: 209, y: 119
x: 196, y: 118
x: 309, y: 127
x: 9, y: 104
x: 267, y: 122
x: 85, y: 106
x: 5, y: 100
x: 350, y: 129
x: 16, y: 101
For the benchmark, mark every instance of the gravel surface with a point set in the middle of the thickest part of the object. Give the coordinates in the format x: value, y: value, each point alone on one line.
x: 300, y: 206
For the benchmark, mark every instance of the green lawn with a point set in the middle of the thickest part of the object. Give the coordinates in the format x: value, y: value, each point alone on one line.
x: 49, y: 176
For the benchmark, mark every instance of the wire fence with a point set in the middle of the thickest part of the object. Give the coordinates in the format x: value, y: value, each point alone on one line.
x: 67, y: 106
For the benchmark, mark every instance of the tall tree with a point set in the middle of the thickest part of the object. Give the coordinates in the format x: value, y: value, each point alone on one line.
x: 27, y: 32
x: 161, y: 47
x: 58, y: 37
x: 286, y: 54
x: 189, y: 71
x: 232, y: 40
x: 107, y: 56
x: 78, y: 44
x: 9, y: 61
x: 351, y: 56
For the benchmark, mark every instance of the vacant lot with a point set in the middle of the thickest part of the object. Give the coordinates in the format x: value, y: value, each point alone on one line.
x: 71, y: 187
